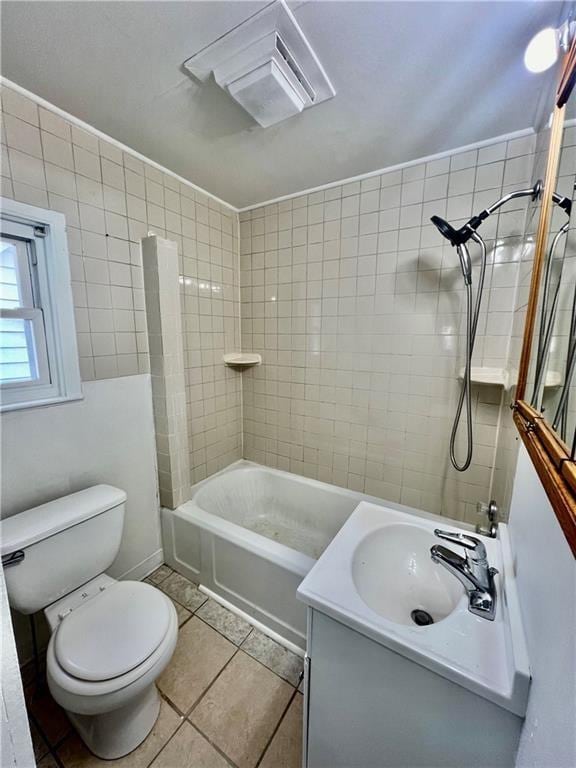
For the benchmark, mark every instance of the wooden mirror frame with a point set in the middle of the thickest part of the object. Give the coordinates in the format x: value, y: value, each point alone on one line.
x: 550, y: 455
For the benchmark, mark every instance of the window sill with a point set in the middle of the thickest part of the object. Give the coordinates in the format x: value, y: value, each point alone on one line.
x: 7, y: 407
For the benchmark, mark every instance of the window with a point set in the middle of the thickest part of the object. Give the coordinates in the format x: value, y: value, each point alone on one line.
x: 38, y: 355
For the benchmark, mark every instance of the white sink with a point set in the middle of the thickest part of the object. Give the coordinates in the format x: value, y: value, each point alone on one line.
x: 395, y: 576
x: 378, y: 570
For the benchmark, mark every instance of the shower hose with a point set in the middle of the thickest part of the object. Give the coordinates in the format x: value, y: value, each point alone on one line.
x: 465, y: 397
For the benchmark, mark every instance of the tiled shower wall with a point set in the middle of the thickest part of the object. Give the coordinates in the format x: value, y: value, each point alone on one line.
x: 111, y: 200
x: 357, y: 306
x: 351, y: 296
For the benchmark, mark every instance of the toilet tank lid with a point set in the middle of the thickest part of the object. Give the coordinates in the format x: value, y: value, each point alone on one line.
x: 34, y: 525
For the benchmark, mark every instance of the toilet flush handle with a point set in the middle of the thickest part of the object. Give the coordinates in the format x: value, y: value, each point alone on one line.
x: 13, y: 558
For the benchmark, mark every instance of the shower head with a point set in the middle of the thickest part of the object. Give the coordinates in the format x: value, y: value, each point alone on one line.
x: 459, y: 237
x: 455, y: 237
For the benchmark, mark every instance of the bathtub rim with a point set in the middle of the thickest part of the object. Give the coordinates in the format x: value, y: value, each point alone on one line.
x: 320, y: 484
x: 291, y: 559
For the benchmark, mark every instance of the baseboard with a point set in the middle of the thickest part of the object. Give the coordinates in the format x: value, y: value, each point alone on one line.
x: 145, y: 567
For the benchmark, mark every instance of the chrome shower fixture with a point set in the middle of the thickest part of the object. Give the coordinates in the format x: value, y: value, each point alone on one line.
x: 459, y: 238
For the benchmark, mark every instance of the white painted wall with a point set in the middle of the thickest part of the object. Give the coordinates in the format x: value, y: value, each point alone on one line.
x: 106, y: 438
x: 546, y: 572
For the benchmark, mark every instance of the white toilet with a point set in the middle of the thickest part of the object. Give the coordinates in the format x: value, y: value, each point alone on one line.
x: 110, y: 639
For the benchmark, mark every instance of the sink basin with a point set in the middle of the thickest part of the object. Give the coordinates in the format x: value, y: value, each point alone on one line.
x: 395, y: 576
x: 377, y: 571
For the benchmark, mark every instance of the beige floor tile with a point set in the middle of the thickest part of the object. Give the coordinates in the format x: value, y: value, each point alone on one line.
x: 183, y: 591
x: 199, y: 656
x: 182, y: 613
x: 227, y: 623
x: 73, y: 753
x: 159, y: 575
x: 49, y: 716
x: 189, y: 749
x: 274, y: 656
x: 285, y: 750
x: 241, y: 710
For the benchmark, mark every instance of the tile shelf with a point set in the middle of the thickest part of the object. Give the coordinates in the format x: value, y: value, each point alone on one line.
x: 500, y: 377
x: 242, y: 360
x: 496, y: 377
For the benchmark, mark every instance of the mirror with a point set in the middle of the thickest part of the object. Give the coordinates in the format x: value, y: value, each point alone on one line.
x: 545, y: 406
x: 553, y: 359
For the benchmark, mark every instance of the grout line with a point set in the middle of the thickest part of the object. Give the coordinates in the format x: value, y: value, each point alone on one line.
x: 56, y: 758
x: 169, y: 701
x: 162, y: 748
x: 271, y: 670
x: 213, y: 744
x: 33, y: 721
x: 277, y: 728
x: 203, y: 694
x: 4, y: 81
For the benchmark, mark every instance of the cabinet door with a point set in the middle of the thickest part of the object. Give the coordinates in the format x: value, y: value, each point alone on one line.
x: 372, y: 708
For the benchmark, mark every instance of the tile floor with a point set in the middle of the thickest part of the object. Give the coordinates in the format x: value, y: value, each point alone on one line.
x: 229, y: 698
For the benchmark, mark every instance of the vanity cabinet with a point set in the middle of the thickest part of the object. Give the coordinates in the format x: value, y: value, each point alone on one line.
x: 367, y: 706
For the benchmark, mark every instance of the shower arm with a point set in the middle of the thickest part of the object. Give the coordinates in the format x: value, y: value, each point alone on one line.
x: 533, y: 192
x: 561, y: 201
x: 472, y: 225
x: 459, y: 237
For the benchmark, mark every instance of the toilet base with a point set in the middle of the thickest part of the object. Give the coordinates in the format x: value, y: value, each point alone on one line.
x: 114, y: 734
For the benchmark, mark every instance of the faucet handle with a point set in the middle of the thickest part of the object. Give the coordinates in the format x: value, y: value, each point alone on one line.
x: 471, y: 543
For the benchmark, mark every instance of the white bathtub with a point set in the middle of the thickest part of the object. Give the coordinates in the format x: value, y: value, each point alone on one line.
x: 250, y: 534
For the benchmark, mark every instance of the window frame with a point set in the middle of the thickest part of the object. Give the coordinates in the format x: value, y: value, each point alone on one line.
x: 53, y: 306
x: 28, y: 247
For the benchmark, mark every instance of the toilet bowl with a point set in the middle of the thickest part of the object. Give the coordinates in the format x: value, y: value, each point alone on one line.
x: 110, y: 639
x: 103, y: 658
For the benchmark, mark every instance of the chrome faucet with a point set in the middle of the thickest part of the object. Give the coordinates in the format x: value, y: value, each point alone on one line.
x: 472, y: 571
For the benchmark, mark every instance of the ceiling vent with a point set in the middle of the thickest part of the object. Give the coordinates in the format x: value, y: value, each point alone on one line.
x: 266, y: 65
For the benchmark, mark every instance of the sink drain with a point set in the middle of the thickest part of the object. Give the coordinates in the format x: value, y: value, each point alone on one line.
x: 421, y: 618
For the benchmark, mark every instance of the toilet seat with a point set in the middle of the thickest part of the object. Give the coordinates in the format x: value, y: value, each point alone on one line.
x: 90, y: 697
x: 112, y: 633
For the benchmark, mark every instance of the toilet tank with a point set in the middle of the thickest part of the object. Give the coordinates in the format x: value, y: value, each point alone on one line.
x: 64, y: 544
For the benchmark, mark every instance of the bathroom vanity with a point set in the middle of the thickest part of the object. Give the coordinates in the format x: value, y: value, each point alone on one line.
x: 373, y: 676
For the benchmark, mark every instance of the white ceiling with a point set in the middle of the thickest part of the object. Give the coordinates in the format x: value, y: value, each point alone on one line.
x: 412, y: 79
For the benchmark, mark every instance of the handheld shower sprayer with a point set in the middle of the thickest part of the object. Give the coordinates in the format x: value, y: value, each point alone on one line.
x: 459, y: 238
